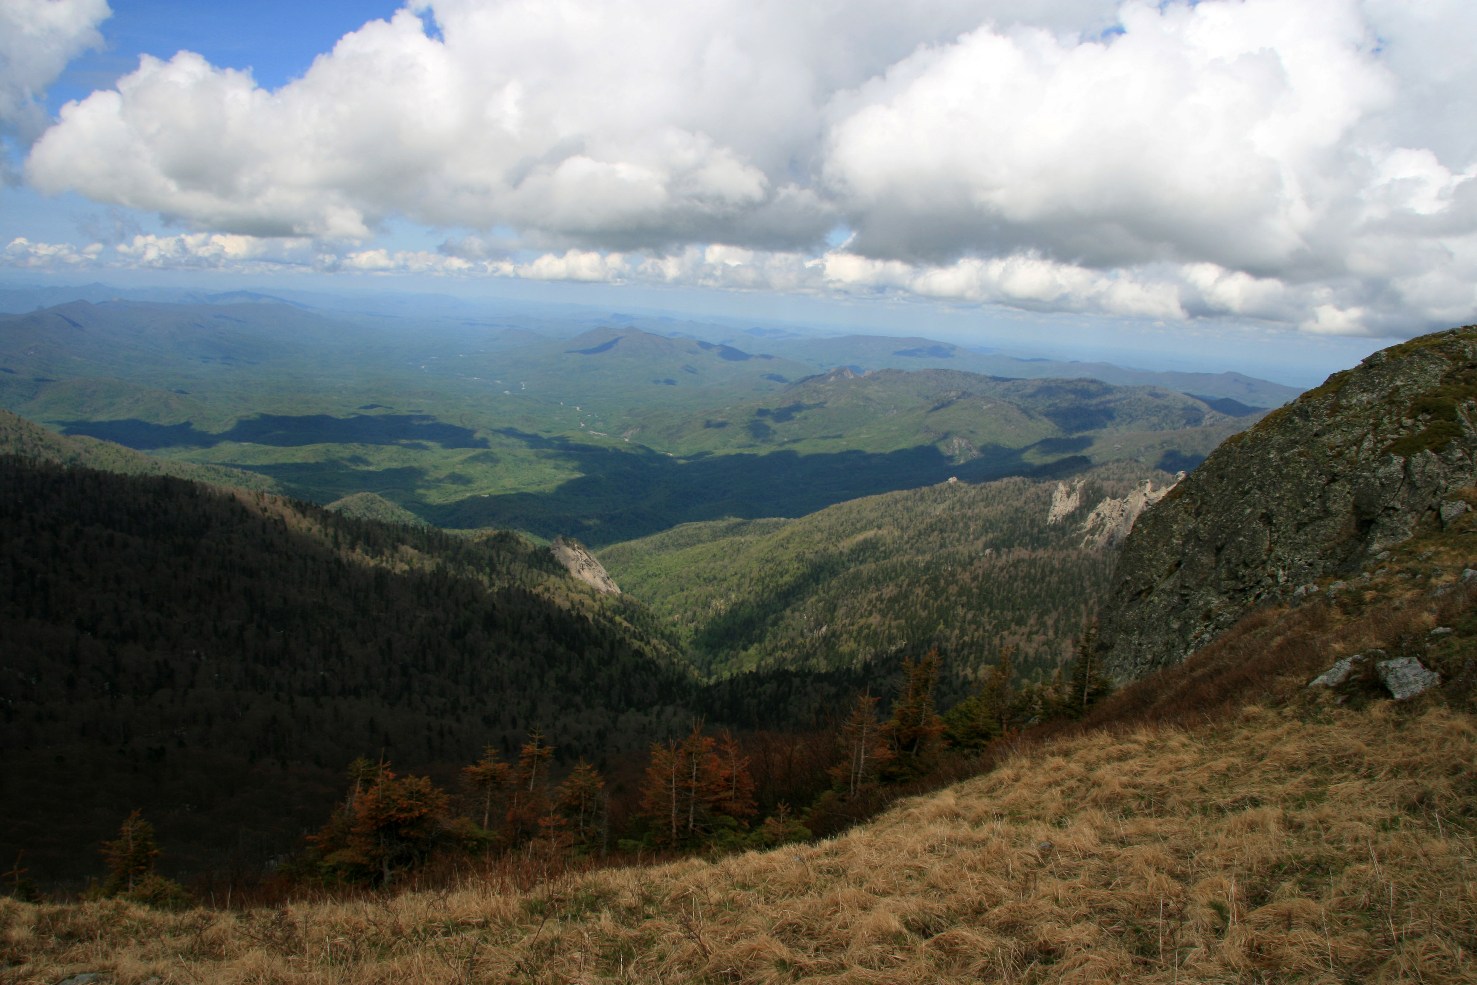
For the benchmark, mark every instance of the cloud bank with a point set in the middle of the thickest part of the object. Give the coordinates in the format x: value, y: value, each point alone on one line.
x: 1307, y: 162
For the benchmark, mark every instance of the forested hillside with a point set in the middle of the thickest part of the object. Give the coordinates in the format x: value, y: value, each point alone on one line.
x: 976, y: 570
x: 26, y: 439
x: 1242, y: 815
x: 207, y: 654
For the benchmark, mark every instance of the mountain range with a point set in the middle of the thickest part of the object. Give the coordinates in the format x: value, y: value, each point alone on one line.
x: 1262, y: 798
x: 307, y: 560
x: 609, y: 434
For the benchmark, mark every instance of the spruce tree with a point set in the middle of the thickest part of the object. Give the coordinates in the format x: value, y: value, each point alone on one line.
x: 131, y: 856
x: 915, y: 729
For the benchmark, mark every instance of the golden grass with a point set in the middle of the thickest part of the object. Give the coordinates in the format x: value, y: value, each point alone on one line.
x: 1325, y: 845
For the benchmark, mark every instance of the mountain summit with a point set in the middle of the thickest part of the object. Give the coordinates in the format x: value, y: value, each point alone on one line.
x: 1372, y: 457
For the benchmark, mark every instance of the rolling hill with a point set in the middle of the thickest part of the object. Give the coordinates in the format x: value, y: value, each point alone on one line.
x: 605, y: 435
x: 870, y: 352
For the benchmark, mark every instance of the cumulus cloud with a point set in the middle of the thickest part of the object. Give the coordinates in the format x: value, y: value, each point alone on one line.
x: 210, y: 250
x: 21, y: 252
x: 1307, y: 162
x: 37, y: 40
x: 1214, y: 132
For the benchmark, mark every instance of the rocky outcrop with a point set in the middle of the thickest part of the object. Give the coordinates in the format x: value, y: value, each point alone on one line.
x: 580, y: 563
x: 1402, y: 678
x: 1065, y: 500
x: 1111, y: 521
x: 1112, y: 518
x: 1313, y: 490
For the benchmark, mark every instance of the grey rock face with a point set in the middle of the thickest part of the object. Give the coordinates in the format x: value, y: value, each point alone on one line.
x: 580, y: 563
x: 1315, y: 489
x: 1112, y: 520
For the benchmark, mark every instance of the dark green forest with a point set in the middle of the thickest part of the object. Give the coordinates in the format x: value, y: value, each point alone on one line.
x: 213, y: 657
x: 225, y: 653
x: 317, y: 565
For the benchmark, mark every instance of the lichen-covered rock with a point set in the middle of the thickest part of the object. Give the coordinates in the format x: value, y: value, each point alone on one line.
x: 1406, y: 677
x: 1340, y: 672
x: 1065, y: 500
x: 1315, y: 489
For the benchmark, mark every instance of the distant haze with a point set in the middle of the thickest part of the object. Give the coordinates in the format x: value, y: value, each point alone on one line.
x: 1227, y: 179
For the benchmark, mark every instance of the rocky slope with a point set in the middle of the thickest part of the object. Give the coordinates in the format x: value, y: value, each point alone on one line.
x: 1372, y: 457
x: 1112, y: 519
x: 580, y: 563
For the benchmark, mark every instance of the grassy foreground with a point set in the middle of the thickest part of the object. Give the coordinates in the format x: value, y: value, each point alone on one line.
x: 1316, y: 844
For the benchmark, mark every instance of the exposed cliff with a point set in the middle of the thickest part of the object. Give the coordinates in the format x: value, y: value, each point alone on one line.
x: 1111, y: 520
x: 1363, y: 462
x: 580, y: 563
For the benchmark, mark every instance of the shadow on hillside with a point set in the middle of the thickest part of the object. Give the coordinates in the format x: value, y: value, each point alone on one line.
x: 283, y: 431
x: 622, y: 493
x: 628, y: 493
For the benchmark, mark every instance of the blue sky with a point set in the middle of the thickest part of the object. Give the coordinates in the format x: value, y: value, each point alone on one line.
x: 276, y: 39
x: 1278, y: 186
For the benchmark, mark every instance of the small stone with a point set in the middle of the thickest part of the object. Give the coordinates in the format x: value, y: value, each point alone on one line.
x: 1045, y: 847
x: 1468, y: 576
x: 1450, y: 511
x: 86, y: 978
x: 1406, y: 677
x: 1339, y: 672
x: 1442, y: 631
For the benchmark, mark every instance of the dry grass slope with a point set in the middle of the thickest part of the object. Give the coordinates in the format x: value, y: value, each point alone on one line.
x: 1317, y: 845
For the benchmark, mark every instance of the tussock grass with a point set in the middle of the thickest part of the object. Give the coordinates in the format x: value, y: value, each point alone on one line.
x: 1317, y: 844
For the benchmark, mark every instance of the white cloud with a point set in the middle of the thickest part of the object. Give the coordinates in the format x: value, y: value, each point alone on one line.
x: 578, y: 265
x: 1308, y: 162
x: 37, y: 40
x: 211, y: 250
x: 21, y: 252
x: 1213, y: 133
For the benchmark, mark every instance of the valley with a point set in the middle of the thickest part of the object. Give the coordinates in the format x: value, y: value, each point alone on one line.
x: 781, y: 507
x: 607, y: 434
x: 225, y: 583
x: 738, y: 494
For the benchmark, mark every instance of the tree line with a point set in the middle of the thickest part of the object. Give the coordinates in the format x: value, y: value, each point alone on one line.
x: 706, y: 790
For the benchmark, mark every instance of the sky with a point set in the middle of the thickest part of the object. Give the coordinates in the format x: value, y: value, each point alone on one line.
x: 1254, y: 183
